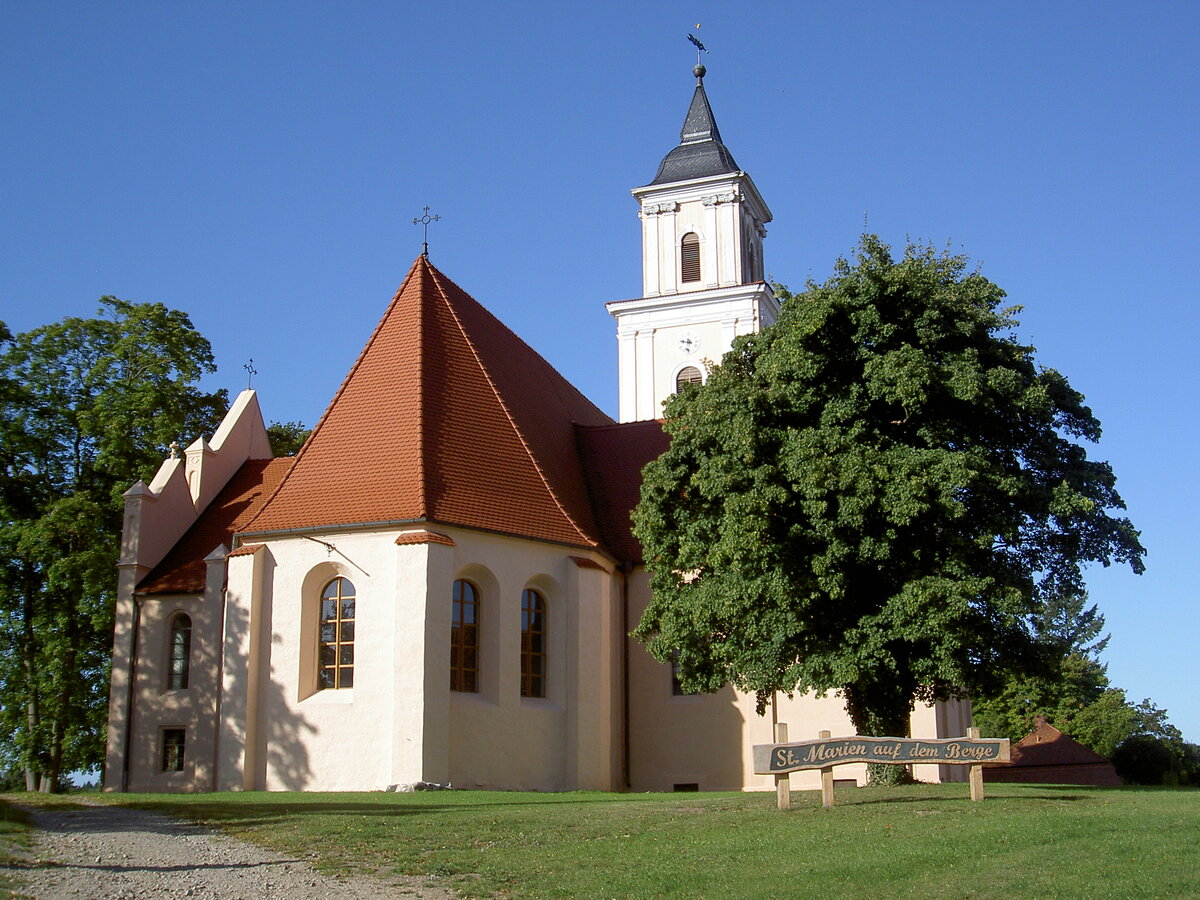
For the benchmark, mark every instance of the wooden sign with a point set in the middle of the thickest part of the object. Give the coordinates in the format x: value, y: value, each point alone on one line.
x: 780, y: 758
x: 774, y: 759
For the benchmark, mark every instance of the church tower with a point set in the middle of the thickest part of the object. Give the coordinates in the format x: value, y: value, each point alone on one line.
x: 703, y: 224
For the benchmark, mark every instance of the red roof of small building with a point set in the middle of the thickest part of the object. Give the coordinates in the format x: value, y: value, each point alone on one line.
x: 1047, y: 746
x: 182, y: 570
x: 446, y: 416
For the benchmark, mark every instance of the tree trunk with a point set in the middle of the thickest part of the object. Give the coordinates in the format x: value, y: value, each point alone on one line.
x: 29, y: 664
x: 881, y: 709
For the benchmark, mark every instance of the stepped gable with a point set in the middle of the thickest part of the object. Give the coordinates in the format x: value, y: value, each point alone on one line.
x: 614, y: 456
x: 182, y: 570
x: 446, y: 416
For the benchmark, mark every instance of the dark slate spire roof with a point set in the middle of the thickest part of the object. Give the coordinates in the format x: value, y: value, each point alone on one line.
x: 700, y: 152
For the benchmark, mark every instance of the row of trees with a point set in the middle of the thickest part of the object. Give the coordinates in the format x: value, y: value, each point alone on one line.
x: 87, y: 407
x: 1076, y: 696
x: 880, y: 495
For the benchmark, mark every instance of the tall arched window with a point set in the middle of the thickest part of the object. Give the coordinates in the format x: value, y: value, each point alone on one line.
x: 533, y: 644
x: 335, y: 652
x: 181, y: 653
x: 464, y: 638
x: 689, y: 257
x: 688, y: 375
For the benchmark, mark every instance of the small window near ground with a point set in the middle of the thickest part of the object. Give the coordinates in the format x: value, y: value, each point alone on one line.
x: 464, y: 638
x: 336, y: 647
x: 173, y: 740
x: 181, y: 650
x: 533, y: 644
x: 689, y: 257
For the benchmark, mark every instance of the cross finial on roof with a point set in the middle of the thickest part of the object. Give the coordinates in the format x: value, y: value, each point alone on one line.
x: 424, y: 221
x: 699, y: 70
x: 250, y: 371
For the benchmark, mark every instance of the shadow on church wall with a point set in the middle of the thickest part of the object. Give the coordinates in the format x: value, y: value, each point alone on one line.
x: 276, y: 733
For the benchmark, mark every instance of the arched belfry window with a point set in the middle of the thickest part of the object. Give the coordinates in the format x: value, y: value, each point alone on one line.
x: 464, y: 638
x: 335, y: 650
x: 533, y: 644
x: 689, y: 257
x: 688, y: 375
x: 181, y: 653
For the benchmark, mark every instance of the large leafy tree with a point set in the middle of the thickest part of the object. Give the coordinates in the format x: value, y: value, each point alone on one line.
x: 875, y: 495
x: 87, y: 407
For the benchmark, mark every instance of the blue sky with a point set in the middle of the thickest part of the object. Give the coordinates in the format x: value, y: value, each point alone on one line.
x: 259, y: 164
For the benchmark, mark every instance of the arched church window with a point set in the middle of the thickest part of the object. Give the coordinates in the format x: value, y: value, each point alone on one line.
x: 688, y: 375
x: 464, y: 638
x: 180, y: 653
x: 335, y: 651
x: 533, y: 644
x: 689, y: 257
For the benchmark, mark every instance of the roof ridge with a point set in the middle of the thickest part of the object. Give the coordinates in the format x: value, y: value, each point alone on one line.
x: 362, y: 354
x: 588, y: 541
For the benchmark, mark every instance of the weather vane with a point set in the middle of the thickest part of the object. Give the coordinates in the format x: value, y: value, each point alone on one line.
x: 424, y: 221
x: 250, y: 371
x: 699, y: 46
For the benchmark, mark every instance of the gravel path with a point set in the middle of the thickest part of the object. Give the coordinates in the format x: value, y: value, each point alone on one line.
x: 126, y: 854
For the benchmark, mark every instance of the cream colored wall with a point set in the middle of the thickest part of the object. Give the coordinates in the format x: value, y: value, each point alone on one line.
x: 498, y: 739
x: 299, y: 738
x: 400, y: 722
x: 708, y: 739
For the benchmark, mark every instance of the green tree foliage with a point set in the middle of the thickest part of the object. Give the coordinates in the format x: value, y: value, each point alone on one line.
x: 875, y: 495
x: 1073, y: 692
x: 287, y: 437
x: 87, y: 407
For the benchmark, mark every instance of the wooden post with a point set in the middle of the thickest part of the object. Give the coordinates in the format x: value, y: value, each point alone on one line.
x: 783, y: 784
x: 976, y: 772
x: 826, y: 778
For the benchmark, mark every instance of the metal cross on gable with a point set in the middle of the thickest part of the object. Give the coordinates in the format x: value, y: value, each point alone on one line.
x: 424, y: 221
x: 250, y: 371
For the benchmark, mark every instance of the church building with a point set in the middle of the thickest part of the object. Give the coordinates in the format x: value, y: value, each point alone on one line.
x: 440, y: 585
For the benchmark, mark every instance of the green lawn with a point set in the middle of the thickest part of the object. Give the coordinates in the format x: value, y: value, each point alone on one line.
x: 14, y: 842
x: 928, y: 841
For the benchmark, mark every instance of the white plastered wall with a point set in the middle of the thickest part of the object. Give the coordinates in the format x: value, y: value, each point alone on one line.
x: 400, y: 722
x: 706, y: 740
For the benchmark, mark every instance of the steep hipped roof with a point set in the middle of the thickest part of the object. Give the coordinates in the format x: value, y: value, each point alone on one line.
x: 182, y: 570
x: 446, y: 416
x: 700, y: 152
x: 614, y: 456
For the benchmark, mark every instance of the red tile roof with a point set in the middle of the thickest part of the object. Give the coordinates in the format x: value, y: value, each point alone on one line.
x: 614, y: 456
x: 424, y: 537
x: 182, y: 570
x: 446, y: 416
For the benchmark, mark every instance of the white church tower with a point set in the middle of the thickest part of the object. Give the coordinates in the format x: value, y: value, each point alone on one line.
x: 703, y: 224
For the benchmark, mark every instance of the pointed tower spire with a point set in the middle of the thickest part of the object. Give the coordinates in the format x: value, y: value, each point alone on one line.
x: 700, y: 152
x: 703, y: 224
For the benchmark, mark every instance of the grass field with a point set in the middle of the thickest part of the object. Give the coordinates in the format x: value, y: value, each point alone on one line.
x: 927, y: 841
x: 14, y: 841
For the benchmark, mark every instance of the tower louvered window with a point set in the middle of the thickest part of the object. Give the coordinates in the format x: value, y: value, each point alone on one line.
x: 688, y: 375
x: 689, y: 257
